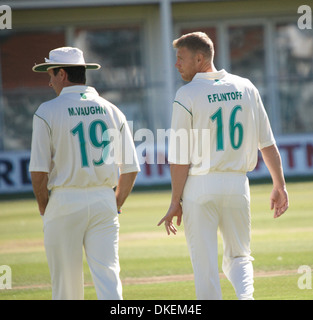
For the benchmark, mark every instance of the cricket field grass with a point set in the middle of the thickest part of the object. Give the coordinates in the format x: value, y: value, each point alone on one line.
x: 155, y: 266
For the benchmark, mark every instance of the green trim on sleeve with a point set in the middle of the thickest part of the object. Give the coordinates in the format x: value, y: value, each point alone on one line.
x: 44, y: 121
x: 183, y: 107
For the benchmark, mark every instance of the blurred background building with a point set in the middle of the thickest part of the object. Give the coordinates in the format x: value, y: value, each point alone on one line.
x: 132, y: 40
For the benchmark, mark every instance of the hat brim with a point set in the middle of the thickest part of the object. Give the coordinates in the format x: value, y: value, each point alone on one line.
x: 44, y: 67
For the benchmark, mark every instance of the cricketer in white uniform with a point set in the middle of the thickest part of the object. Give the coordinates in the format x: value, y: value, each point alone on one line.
x: 79, y: 147
x: 221, y: 123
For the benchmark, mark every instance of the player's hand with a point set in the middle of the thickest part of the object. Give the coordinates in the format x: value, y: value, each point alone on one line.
x: 175, y: 210
x: 279, y: 201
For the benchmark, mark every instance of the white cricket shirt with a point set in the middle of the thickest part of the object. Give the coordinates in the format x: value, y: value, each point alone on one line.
x: 218, y: 124
x: 81, y: 140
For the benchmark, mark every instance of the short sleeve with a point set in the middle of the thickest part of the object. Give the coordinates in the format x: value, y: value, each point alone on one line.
x: 128, y: 160
x: 40, y: 158
x: 180, y: 134
x: 266, y: 137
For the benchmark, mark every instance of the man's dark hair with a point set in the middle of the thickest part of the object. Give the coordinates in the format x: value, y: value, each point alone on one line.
x: 75, y: 74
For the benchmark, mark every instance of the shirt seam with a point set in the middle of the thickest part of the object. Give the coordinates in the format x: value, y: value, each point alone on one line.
x: 44, y: 121
x: 183, y: 107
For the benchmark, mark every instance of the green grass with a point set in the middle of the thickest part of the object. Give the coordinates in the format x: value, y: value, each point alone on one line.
x: 146, y: 250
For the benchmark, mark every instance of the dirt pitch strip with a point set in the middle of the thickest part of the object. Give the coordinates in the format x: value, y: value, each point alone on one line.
x: 164, y: 279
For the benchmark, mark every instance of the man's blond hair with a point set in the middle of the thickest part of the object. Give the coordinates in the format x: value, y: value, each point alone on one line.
x: 196, y: 42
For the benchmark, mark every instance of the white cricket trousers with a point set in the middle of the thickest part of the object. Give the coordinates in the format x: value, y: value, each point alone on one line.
x: 212, y: 201
x: 77, y: 218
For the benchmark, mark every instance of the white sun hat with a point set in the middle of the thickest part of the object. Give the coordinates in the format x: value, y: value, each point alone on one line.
x: 64, y: 57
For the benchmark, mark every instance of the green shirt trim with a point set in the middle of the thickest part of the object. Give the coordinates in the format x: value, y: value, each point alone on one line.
x: 183, y: 107
x: 44, y: 121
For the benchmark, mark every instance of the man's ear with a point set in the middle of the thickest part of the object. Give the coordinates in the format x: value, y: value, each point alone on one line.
x: 63, y: 74
x: 199, y: 57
